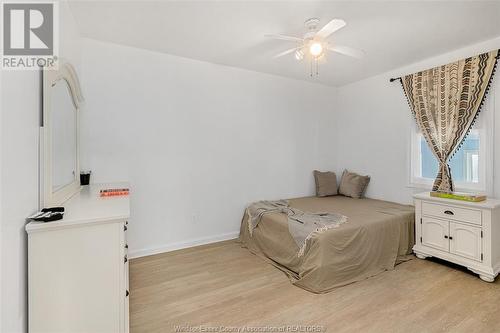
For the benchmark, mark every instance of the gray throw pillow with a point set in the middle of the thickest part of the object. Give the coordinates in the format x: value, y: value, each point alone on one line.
x: 353, y: 185
x: 326, y: 183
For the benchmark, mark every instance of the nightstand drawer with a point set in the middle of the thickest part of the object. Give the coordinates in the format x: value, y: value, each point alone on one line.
x: 453, y: 213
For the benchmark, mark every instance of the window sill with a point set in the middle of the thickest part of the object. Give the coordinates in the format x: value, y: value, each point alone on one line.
x: 458, y: 187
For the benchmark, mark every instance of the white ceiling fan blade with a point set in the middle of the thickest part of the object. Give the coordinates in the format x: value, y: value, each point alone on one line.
x: 284, y: 37
x: 330, y: 28
x: 287, y: 52
x: 346, y: 50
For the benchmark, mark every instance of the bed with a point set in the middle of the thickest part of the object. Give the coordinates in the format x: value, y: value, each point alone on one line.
x: 377, y: 236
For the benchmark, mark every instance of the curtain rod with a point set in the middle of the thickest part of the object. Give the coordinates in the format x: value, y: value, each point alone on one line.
x: 392, y: 79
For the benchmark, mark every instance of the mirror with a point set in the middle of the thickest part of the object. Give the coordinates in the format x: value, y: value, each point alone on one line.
x: 64, y: 136
x: 59, y: 167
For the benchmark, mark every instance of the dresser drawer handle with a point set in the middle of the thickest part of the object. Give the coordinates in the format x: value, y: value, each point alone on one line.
x: 125, y: 228
x: 125, y: 259
x: 126, y: 293
x: 449, y: 212
x: 445, y: 236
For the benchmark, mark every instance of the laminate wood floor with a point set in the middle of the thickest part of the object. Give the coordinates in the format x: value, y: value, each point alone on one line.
x: 222, y: 287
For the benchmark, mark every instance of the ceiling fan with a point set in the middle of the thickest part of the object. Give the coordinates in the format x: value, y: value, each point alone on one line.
x: 314, y: 44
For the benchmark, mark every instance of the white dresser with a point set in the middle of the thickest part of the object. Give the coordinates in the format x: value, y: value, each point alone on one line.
x: 465, y: 233
x: 78, y: 266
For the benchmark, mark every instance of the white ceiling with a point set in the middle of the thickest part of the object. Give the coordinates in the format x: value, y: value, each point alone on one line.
x: 392, y: 34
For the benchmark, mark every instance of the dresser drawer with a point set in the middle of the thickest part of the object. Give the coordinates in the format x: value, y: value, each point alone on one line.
x: 453, y: 213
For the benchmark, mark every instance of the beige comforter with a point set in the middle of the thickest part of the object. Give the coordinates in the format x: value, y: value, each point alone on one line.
x: 378, y: 236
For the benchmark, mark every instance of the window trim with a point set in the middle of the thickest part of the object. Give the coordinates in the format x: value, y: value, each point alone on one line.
x: 468, y: 154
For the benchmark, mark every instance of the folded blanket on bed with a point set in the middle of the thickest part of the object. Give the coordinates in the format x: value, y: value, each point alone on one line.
x: 257, y: 209
x: 301, y: 225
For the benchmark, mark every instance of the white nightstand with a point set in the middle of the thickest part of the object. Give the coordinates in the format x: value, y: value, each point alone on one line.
x: 465, y: 233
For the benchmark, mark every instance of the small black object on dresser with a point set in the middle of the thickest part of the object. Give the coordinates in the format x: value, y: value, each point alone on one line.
x: 85, y: 177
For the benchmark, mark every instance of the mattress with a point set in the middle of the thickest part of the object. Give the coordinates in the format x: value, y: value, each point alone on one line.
x: 377, y: 236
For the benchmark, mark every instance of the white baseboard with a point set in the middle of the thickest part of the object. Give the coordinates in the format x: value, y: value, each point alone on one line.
x: 182, y: 245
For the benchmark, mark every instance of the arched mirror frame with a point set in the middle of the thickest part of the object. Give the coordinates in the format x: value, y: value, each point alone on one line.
x: 51, y: 76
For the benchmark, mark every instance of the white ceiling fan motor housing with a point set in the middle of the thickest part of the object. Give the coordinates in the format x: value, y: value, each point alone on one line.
x: 312, y: 27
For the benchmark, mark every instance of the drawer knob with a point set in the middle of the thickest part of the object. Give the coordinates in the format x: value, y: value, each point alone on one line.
x: 125, y: 259
x: 445, y: 236
x: 126, y: 293
x: 449, y: 212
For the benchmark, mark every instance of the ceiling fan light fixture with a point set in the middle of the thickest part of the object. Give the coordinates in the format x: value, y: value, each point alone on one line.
x: 313, y: 45
x: 316, y: 49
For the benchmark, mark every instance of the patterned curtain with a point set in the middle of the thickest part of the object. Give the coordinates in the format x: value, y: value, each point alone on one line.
x: 445, y: 102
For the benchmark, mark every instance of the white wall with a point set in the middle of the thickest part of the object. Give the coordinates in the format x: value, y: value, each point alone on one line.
x: 1, y: 201
x: 19, y: 174
x: 19, y: 120
x: 197, y: 141
x: 373, y: 124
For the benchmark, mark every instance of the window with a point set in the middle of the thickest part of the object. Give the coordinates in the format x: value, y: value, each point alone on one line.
x: 471, y: 166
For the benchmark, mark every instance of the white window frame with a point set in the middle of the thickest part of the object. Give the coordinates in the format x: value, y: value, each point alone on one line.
x: 469, y: 162
x: 484, y: 127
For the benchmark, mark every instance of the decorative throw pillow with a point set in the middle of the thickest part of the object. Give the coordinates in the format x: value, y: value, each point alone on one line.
x: 326, y: 183
x: 353, y: 185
